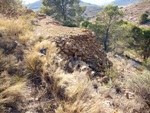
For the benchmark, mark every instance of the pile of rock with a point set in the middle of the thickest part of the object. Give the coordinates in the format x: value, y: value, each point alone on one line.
x: 41, y: 16
x: 83, y: 48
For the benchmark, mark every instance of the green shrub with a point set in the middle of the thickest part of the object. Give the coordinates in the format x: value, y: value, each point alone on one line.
x: 88, y: 18
x: 85, y: 24
x: 69, y: 24
x: 143, y: 18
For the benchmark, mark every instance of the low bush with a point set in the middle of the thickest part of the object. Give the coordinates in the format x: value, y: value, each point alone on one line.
x: 69, y: 24
x: 143, y: 18
x: 85, y: 24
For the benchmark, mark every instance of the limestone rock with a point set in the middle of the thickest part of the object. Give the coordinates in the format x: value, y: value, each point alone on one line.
x: 130, y: 95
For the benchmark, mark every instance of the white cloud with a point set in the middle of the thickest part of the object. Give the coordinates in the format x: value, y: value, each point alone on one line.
x: 29, y: 1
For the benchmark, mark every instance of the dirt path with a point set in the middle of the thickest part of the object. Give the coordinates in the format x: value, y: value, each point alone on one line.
x: 50, y: 27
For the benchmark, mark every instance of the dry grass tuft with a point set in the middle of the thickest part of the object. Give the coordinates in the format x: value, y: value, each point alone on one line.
x: 2, y: 62
x: 34, y: 67
x: 16, y: 27
x: 25, y: 37
x: 42, y: 45
x: 140, y: 84
x: 11, y: 92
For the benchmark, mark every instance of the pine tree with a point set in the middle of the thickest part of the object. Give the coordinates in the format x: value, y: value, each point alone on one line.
x: 64, y: 10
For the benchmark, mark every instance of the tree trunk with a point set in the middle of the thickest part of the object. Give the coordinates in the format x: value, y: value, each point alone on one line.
x: 106, y: 39
x: 63, y: 6
x: 65, y: 17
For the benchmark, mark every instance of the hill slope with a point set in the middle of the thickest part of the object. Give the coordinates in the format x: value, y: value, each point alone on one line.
x: 133, y: 12
x: 125, y: 2
x: 92, y: 10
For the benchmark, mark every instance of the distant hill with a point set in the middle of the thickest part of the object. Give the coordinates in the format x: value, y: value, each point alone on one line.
x: 34, y: 6
x: 125, y: 2
x: 91, y: 10
x: 84, y: 3
x: 133, y: 12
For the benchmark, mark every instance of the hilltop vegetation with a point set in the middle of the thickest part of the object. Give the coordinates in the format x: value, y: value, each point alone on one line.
x: 91, y: 9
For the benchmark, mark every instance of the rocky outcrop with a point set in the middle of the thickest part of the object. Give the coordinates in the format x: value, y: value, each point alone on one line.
x: 83, y: 48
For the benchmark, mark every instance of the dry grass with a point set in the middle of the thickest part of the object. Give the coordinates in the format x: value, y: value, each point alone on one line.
x: 35, y: 60
x: 118, y: 101
x: 26, y: 37
x: 34, y: 65
x: 15, y: 27
x: 74, y: 93
x: 2, y: 62
x: 11, y: 92
x: 140, y: 84
x: 42, y: 45
x: 29, y: 16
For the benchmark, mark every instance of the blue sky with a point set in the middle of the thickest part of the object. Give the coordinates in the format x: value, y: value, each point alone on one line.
x: 97, y: 2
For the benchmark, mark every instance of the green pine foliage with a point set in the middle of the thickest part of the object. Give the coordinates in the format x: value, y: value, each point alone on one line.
x: 118, y: 35
x: 64, y: 10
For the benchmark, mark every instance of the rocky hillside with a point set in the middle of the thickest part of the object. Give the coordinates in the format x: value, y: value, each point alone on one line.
x: 125, y: 2
x: 133, y: 12
x: 44, y: 63
x: 47, y: 67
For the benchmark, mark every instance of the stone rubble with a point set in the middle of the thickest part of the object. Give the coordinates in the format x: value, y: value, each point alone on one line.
x: 83, y: 48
